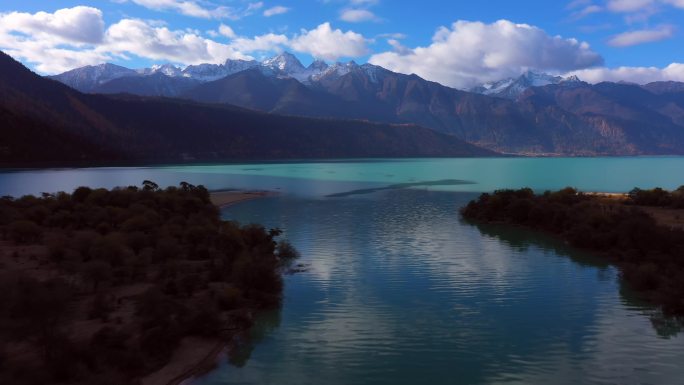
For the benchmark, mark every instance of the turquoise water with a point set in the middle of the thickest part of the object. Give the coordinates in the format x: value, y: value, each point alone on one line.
x: 591, y: 174
x: 400, y: 290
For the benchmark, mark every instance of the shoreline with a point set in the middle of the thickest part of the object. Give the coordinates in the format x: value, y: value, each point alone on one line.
x: 202, y: 353
x: 626, y: 232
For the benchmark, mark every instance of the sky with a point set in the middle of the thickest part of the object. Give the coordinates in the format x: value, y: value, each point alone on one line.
x: 457, y: 43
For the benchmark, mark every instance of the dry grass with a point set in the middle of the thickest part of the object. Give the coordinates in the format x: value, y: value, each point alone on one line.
x: 672, y: 218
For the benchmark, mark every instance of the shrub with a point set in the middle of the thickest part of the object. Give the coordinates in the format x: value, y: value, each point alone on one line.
x: 286, y: 251
x: 25, y: 231
x: 96, y: 272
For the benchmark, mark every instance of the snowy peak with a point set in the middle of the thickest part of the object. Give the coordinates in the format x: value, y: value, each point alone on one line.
x: 234, y: 66
x: 572, y: 79
x: 86, y: 78
x: 536, y: 79
x: 284, y: 66
x: 211, y: 72
x: 335, y: 71
x: 108, y: 70
x: 286, y: 63
x: 165, y: 69
x: 512, y: 88
x: 318, y: 66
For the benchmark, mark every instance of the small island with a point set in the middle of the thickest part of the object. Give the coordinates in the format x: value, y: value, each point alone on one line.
x: 127, y: 286
x: 641, y: 232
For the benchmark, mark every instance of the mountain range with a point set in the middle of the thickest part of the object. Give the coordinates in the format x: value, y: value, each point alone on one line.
x: 512, y: 88
x: 535, y: 114
x: 44, y: 121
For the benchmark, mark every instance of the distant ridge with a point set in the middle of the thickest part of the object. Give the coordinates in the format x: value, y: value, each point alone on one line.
x: 533, y: 114
x: 47, y: 122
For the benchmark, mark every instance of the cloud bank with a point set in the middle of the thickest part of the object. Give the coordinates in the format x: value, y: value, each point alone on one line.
x: 74, y: 37
x: 470, y: 53
x: 462, y: 55
x: 639, y: 75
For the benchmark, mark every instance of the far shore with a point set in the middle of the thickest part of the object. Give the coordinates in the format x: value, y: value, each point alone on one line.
x: 223, y: 198
x: 609, y: 195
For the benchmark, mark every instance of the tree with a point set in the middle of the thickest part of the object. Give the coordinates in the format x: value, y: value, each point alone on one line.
x: 100, y: 307
x: 185, y: 186
x: 41, y: 306
x: 286, y: 251
x: 97, y: 272
x: 148, y: 185
x: 24, y: 231
x: 81, y: 194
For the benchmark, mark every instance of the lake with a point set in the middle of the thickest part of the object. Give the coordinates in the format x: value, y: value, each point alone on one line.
x: 399, y: 290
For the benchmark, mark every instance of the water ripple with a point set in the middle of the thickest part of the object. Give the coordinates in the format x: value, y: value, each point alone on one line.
x: 400, y: 291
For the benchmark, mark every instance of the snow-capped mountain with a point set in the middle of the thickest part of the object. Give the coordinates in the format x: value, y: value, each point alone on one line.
x: 89, y: 77
x: 539, y: 114
x: 169, y: 70
x: 512, y: 88
x: 284, y: 65
x: 318, y: 66
x: 211, y: 72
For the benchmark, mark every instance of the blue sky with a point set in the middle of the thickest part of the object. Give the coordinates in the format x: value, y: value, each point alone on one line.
x: 459, y: 43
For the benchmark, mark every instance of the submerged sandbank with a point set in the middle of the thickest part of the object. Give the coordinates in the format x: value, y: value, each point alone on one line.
x: 231, y: 197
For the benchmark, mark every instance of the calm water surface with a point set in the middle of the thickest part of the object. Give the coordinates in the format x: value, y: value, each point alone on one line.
x: 400, y: 290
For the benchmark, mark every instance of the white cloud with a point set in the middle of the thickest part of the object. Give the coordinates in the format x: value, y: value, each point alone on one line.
x: 635, y: 6
x: 395, y: 35
x: 470, y: 53
x: 676, y: 3
x: 277, y: 10
x: 51, y: 60
x: 629, y: 5
x: 75, y: 37
x: 357, y: 15
x: 185, y: 7
x: 639, y: 75
x: 252, y: 7
x: 55, y: 50
x: 586, y: 11
x: 201, y: 9
x: 70, y: 25
x: 634, y: 11
x: 134, y: 36
x: 364, y: 2
x: 55, y: 41
x: 226, y: 31
x: 323, y: 42
x: 398, y: 47
x: 578, y: 3
x: 264, y: 43
x: 642, y: 36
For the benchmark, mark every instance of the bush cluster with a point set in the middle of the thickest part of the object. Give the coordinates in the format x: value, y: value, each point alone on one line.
x: 195, y: 267
x: 650, y: 256
x: 658, y: 197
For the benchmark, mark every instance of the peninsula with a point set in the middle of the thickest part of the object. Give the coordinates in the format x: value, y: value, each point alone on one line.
x: 126, y: 286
